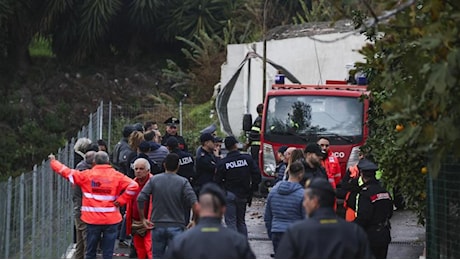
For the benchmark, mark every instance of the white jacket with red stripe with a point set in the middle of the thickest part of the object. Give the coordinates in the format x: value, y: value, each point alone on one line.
x: 101, y: 187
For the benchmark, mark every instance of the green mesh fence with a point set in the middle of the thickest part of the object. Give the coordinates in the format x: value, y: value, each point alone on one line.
x: 443, y: 216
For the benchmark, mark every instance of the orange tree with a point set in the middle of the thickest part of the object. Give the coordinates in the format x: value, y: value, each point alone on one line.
x: 413, y: 65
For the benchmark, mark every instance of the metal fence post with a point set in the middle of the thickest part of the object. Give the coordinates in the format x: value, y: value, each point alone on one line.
x: 34, y: 209
x: 100, y: 110
x: 109, y: 130
x: 90, y: 127
x: 8, y: 216
x: 21, y: 217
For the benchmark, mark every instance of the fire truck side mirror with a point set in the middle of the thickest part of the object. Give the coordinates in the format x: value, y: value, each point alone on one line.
x: 247, y: 122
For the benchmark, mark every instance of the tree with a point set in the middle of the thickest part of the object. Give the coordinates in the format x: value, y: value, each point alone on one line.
x: 413, y: 72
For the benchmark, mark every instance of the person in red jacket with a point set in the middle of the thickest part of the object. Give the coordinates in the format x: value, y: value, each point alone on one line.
x: 330, y: 163
x: 142, y: 238
x: 101, y: 187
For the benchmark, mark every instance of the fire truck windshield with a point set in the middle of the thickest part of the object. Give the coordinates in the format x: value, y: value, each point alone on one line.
x: 305, y: 118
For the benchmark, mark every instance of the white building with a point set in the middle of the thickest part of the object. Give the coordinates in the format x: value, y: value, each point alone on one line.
x: 312, y: 52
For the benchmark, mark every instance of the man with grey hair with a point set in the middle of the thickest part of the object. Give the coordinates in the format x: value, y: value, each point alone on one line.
x: 104, y: 191
x: 142, y: 238
x: 80, y: 226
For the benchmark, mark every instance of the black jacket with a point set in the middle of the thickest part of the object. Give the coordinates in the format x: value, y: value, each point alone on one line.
x: 324, y: 235
x: 310, y: 173
x: 186, y: 165
x: 209, y: 239
x: 238, y: 173
x: 182, y: 145
x: 205, y: 166
x: 374, y: 209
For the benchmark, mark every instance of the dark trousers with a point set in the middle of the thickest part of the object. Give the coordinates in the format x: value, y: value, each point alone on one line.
x: 379, y: 251
x: 276, y: 238
x: 235, y: 213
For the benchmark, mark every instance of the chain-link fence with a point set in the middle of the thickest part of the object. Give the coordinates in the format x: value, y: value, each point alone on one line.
x: 36, y: 207
x: 443, y: 216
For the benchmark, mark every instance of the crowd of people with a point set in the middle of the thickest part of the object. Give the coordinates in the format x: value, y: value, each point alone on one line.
x: 173, y: 204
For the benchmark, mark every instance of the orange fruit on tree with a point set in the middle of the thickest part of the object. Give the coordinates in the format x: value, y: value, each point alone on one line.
x: 399, y: 127
x: 424, y: 170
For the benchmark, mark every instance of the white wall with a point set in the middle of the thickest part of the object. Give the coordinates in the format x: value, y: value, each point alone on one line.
x: 311, y: 62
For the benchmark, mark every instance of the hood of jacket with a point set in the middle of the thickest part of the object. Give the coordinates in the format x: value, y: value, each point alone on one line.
x: 287, y: 187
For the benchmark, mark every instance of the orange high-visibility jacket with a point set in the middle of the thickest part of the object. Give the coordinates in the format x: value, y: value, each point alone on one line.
x: 332, y: 166
x: 101, y: 187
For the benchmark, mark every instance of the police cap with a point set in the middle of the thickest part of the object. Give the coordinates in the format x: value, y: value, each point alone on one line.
x: 218, y: 139
x: 282, y: 149
x: 215, y: 190
x: 210, y: 129
x: 206, y: 137
x: 320, y: 184
x: 172, y: 121
x: 367, y: 167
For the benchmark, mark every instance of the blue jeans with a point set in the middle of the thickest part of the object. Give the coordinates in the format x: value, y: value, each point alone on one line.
x: 235, y: 213
x: 93, y: 235
x: 161, y: 236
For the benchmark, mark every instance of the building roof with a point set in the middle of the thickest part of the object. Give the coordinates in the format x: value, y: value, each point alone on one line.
x: 309, y: 29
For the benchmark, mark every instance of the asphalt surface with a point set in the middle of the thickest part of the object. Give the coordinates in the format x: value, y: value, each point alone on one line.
x: 408, y: 237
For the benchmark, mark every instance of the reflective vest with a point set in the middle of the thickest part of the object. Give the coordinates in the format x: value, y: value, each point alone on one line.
x: 332, y: 166
x: 101, y: 187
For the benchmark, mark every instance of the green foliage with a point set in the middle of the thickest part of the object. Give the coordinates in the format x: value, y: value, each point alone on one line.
x: 40, y: 47
x: 414, y: 66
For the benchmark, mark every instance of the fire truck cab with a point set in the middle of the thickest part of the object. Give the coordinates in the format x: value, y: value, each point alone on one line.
x: 296, y: 114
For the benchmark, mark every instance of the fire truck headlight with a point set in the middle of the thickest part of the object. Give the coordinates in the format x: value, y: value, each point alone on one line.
x: 269, y: 160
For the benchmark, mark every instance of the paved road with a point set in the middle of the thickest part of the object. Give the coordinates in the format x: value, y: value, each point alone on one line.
x: 407, y: 236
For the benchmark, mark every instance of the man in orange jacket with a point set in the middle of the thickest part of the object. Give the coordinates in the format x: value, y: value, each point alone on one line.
x: 142, y: 238
x: 330, y: 163
x: 101, y: 187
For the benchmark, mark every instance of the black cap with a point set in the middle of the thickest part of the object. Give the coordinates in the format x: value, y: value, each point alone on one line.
x: 218, y: 139
x: 172, y: 121
x: 314, y: 148
x: 320, y: 184
x: 210, y: 129
x: 230, y: 141
x: 367, y: 167
x: 127, y: 130
x: 215, y: 190
x: 282, y: 149
x: 172, y: 142
x: 206, y: 137
x: 138, y: 127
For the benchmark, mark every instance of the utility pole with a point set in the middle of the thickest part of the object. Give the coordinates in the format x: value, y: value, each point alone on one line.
x: 264, y: 65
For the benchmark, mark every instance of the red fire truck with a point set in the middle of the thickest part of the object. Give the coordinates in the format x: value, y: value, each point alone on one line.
x: 294, y: 115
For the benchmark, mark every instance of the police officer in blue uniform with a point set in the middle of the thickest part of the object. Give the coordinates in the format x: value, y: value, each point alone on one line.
x: 205, y: 165
x: 239, y: 175
x: 186, y: 167
x: 323, y: 234
x: 209, y: 239
x: 171, y: 130
x: 374, y: 209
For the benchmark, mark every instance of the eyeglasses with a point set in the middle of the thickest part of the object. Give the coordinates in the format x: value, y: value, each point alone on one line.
x: 324, y: 145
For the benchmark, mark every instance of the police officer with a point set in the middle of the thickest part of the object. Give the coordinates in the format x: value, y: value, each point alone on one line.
x: 171, y: 130
x: 240, y: 176
x: 209, y: 239
x: 205, y: 165
x: 254, y: 134
x: 211, y: 129
x: 323, y: 234
x: 374, y: 209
